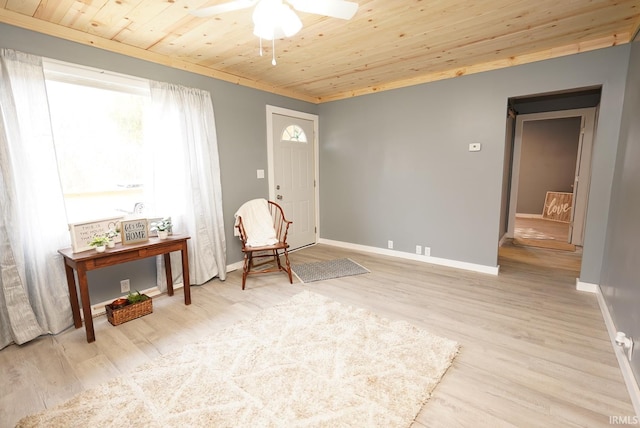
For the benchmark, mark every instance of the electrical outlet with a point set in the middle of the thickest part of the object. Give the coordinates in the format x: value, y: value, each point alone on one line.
x: 125, y: 286
x: 427, y: 251
x: 390, y: 245
x: 418, y: 249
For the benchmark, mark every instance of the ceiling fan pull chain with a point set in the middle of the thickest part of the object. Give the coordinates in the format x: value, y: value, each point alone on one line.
x: 273, y: 51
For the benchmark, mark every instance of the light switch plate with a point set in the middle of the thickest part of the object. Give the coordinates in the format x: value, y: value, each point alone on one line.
x: 260, y: 173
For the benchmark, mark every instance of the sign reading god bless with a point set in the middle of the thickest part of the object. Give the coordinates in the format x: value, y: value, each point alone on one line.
x: 134, y: 231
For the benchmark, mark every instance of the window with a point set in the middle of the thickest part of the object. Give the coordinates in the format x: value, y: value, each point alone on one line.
x: 294, y: 133
x: 98, y: 121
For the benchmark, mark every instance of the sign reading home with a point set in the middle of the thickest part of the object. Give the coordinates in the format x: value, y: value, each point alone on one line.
x: 134, y: 231
x: 557, y: 206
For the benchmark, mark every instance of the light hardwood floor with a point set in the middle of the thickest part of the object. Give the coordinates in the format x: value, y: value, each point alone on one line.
x: 543, y: 233
x: 534, y: 351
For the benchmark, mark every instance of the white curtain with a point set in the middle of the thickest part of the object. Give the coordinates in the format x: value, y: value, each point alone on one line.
x: 185, y: 172
x: 34, y: 298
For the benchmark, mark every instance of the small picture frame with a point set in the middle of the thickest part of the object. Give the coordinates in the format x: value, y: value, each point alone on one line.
x: 134, y: 231
x: 153, y: 233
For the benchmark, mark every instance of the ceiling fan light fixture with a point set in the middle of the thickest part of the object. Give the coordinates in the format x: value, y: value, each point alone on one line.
x: 289, y: 21
x: 272, y: 19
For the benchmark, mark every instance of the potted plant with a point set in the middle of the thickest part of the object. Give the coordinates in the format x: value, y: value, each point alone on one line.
x: 100, y: 242
x: 136, y: 297
x: 163, y: 227
x: 111, y: 234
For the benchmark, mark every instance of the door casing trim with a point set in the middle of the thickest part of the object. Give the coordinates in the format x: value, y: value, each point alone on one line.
x: 588, y: 114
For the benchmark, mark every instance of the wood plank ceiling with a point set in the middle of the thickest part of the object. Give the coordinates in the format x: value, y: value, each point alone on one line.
x: 388, y: 44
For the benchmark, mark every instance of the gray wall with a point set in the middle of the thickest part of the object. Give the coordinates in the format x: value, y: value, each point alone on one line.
x: 621, y: 269
x: 240, y: 115
x: 548, y: 157
x: 395, y: 165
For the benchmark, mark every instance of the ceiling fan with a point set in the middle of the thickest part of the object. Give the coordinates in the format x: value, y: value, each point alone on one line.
x: 274, y: 19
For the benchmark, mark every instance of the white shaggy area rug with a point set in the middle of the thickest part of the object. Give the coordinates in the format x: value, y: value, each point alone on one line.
x: 308, y: 362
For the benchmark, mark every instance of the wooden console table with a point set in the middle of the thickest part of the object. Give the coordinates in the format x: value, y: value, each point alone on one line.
x: 90, y: 260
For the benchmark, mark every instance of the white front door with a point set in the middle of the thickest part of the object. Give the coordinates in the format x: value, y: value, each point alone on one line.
x: 292, y: 172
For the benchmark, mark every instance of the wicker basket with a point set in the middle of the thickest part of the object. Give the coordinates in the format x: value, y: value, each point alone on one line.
x: 126, y: 313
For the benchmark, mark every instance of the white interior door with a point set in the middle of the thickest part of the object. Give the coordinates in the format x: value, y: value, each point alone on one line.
x: 583, y: 168
x: 292, y: 171
x: 582, y: 179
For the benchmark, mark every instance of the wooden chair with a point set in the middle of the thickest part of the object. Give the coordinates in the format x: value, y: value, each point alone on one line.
x: 271, y: 253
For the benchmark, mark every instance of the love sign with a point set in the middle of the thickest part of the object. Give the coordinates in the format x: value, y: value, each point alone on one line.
x: 558, y: 206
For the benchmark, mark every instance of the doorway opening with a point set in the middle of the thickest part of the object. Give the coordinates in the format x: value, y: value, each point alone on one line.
x: 548, y: 159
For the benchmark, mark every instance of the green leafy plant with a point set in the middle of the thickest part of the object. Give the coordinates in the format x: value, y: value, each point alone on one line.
x: 136, y: 297
x: 99, y: 241
x: 162, y: 225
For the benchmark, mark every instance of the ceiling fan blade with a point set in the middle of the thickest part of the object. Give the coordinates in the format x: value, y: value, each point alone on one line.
x: 224, y: 7
x: 334, y: 8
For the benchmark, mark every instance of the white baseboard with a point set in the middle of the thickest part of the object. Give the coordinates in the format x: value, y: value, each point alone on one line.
x: 623, y: 362
x: 492, y: 270
x: 235, y: 266
x: 524, y: 215
x: 586, y: 286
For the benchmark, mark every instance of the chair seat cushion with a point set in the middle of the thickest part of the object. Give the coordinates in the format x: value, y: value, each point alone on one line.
x: 277, y: 246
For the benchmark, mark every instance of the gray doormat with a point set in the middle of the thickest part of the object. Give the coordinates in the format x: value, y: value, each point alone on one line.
x: 319, y: 271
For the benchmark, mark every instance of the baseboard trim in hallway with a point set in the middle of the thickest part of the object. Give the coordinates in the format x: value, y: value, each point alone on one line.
x: 623, y: 362
x: 491, y: 270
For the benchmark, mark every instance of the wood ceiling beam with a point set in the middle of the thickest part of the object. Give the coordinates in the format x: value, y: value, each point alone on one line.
x: 487, y: 66
x: 635, y: 30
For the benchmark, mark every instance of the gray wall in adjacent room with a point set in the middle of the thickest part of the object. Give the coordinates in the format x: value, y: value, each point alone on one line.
x: 548, y: 156
x: 240, y: 115
x: 620, y: 283
x: 395, y: 165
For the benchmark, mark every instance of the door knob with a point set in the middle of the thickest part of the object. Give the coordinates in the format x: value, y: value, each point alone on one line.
x: 279, y: 197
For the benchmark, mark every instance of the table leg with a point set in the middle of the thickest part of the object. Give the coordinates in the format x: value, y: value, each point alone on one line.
x: 73, y: 296
x: 185, y: 274
x: 169, y: 275
x: 86, y: 304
